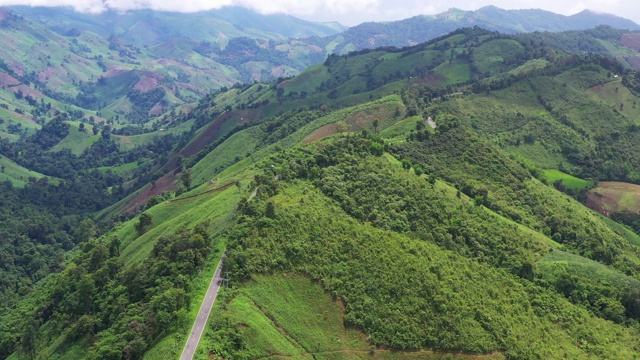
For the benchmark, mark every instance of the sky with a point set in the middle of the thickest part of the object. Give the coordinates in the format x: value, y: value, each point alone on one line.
x: 347, y: 12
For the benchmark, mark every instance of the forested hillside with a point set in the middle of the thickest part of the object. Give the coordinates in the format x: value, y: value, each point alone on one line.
x: 421, y: 202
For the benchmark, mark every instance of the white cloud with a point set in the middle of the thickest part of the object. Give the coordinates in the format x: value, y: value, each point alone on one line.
x: 350, y: 12
x: 294, y: 7
x: 90, y: 6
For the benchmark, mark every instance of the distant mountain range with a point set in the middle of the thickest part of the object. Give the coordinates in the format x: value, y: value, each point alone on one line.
x: 423, y: 28
x: 148, y: 27
x: 102, y: 64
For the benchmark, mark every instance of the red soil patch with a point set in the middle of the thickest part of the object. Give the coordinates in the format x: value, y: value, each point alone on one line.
x: 611, y: 196
x: 321, y: 133
x: 431, y: 79
x: 596, y: 202
x: 596, y: 89
x: 146, y: 84
x: 44, y: 75
x: 211, y: 133
x: 193, y: 88
x: 314, y: 48
x: 27, y: 91
x: 17, y: 67
x: 166, y: 62
x: 165, y: 183
x: 115, y: 72
x: 8, y: 80
x: 631, y: 41
x: 357, y: 122
x: 634, y: 61
x: 4, y: 14
x: 278, y: 71
x: 157, y: 109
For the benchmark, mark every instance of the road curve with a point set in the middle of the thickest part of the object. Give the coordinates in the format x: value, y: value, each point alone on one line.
x: 203, y: 315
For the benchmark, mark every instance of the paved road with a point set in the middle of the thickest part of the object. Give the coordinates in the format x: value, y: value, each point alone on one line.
x: 203, y: 315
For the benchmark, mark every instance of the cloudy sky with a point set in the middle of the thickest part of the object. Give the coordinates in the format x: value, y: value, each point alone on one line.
x: 348, y: 12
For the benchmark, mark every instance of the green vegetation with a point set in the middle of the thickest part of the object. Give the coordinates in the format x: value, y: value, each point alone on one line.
x: 289, y: 315
x: 393, y: 199
x: 399, y: 271
x: 16, y: 174
x: 568, y: 181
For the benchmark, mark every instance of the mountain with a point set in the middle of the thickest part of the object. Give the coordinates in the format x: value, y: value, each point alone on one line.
x: 424, y: 28
x: 91, y: 70
x: 125, y: 68
x: 149, y: 28
x: 422, y: 202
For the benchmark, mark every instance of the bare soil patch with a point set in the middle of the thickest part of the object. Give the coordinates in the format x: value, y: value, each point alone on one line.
x: 165, y: 183
x: 631, y: 41
x: 357, y: 121
x: 8, y: 80
x: 609, y: 197
x: 146, y: 84
x: 321, y: 133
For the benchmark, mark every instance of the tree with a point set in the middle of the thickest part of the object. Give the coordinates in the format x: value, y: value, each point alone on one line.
x: 144, y: 221
x: 375, y: 126
x: 106, y: 132
x: 85, y: 231
x: 527, y: 271
x: 114, y: 246
x: 341, y: 127
x: 28, y: 343
x: 270, y: 210
x: 185, y: 178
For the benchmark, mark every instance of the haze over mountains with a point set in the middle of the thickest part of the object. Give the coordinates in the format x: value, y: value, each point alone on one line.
x: 404, y: 190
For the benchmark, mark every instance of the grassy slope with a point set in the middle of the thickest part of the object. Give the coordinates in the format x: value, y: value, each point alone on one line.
x: 77, y: 141
x: 570, y: 182
x: 15, y: 173
x: 216, y: 209
x: 249, y: 141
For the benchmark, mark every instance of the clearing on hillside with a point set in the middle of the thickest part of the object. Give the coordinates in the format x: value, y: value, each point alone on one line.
x: 569, y: 181
x: 609, y: 197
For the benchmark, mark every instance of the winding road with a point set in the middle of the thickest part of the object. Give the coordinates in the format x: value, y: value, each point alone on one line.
x: 203, y: 315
